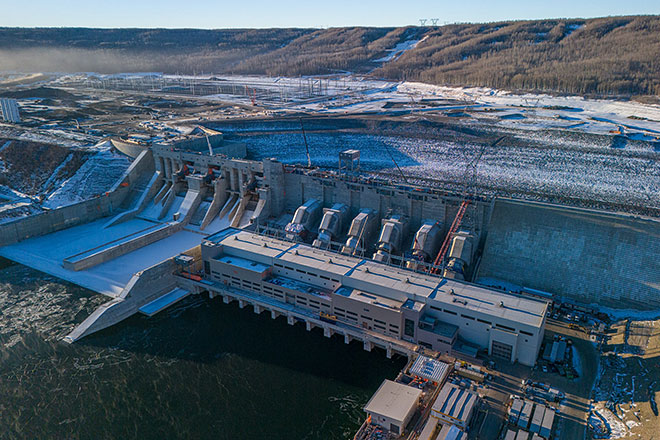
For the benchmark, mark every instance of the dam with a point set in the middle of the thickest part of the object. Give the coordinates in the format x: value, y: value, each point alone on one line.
x: 402, y: 267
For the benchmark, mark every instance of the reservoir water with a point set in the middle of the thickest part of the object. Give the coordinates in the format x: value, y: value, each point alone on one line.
x: 201, y: 369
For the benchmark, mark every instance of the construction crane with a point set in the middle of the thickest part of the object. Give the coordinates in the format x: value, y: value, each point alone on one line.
x: 253, y: 96
x: 469, y: 179
x: 208, y: 142
x: 309, y: 159
x: 452, y: 230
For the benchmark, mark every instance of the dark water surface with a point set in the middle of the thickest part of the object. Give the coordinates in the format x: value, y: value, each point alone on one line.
x: 202, y: 369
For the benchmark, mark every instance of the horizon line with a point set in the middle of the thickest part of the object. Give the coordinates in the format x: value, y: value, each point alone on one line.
x: 456, y: 23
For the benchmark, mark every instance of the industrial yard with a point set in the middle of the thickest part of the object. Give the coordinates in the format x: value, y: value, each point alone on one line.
x: 604, y: 157
x: 471, y: 231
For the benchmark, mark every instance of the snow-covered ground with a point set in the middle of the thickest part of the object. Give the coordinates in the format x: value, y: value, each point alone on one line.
x: 399, y: 49
x: 572, y: 150
x: 11, y: 195
x: 347, y: 93
x: 593, y: 172
x: 14, y: 204
x: 618, y: 429
x: 94, y: 177
x: 47, y: 252
x: 525, y: 111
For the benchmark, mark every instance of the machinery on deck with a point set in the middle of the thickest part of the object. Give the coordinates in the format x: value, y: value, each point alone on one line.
x: 303, y: 220
x: 425, y: 244
x: 391, y: 238
x: 460, y: 256
x: 332, y: 225
x: 362, y: 228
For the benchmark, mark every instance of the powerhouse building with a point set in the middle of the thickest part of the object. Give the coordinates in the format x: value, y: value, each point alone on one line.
x: 404, y: 305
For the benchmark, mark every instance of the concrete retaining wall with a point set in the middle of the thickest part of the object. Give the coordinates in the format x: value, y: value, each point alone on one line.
x: 588, y: 256
x: 84, y: 260
x: 143, y: 164
x: 61, y: 218
x: 148, y: 194
x: 78, y: 213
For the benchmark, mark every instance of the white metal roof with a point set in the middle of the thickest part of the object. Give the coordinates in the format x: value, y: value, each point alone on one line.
x: 455, y: 402
x: 429, y: 368
x: 243, y: 263
x: 388, y: 281
x: 393, y: 400
x: 429, y: 429
x: 451, y: 432
x: 369, y: 298
x: 328, y: 262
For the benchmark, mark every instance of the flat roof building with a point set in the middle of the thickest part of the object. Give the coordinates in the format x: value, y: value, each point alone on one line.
x: 546, y: 425
x: 430, y: 369
x: 9, y: 110
x: 522, y: 435
x: 454, y: 405
x: 393, y: 405
x: 525, y: 414
x: 451, y: 432
x: 515, y: 410
x: 537, y: 418
x: 429, y: 430
x: 418, y: 308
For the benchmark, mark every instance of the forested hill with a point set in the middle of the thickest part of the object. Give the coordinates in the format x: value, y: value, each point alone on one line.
x: 614, y: 55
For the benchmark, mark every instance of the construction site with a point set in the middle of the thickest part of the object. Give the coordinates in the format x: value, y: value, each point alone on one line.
x: 497, y: 298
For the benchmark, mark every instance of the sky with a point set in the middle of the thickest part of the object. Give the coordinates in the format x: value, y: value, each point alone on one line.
x: 208, y: 14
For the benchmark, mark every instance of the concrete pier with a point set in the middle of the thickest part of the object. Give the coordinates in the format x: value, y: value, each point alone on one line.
x: 143, y: 288
x: 293, y: 314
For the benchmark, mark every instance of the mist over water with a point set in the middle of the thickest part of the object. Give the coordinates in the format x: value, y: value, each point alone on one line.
x: 202, y: 369
x: 62, y: 59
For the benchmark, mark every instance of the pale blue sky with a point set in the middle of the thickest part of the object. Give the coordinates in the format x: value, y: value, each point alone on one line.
x: 288, y: 13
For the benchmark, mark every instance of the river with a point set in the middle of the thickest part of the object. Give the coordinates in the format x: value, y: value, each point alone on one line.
x: 201, y: 369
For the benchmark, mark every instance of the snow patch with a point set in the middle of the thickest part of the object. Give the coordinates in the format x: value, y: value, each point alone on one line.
x: 96, y: 176
x: 572, y: 28
x: 618, y: 429
x: 399, y: 49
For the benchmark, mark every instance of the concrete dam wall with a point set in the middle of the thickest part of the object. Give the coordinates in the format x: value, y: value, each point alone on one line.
x: 588, y: 256
x: 78, y: 213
